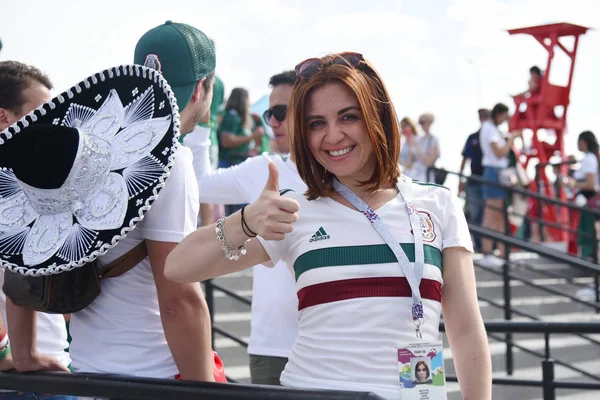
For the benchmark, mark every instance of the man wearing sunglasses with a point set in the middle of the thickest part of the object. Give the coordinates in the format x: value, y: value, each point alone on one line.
x: 278, y: 102
x: 274, y: 318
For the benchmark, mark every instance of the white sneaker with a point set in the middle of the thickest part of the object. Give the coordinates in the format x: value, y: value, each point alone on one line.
x: 491, y: 261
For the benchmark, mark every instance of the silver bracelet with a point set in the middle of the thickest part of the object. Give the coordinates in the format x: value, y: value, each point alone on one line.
x: 231, y: 254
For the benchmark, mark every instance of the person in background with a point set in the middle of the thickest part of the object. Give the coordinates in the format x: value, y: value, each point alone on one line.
x: 409, y: 130
x: 23, y: 88
x: 424, y: 149
x: 216, y: 115
x: 495, y: 148
x: 143, y: 324
x: 473, y: 190
x: 274, y: 320
x: 212, y: 120
x: 534, y: 83
x: 235, y: 136
x: 586, y: 183
x: 263, y: 145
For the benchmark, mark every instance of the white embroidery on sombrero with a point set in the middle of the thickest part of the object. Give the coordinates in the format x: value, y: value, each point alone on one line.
x: 105, y: 208
x: 96, y: 197
x: 141, y: 134
x: 141, y: 108
x: 47, y: 235
x: 89, y: 170
x: 13, y: 243
x: 77, y: 243
x: 107, y: 121
x: 142, y: 174
x: 133, y: 143
x: 76, y: 114
x: 16, y: 212
x: 13, y: 233
x: 8, y: 183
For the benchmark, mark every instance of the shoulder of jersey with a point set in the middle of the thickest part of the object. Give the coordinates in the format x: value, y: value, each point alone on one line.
x: 289, y: 192
x: 292, y: 194
x: 430, y: 185
x: 276, y: 158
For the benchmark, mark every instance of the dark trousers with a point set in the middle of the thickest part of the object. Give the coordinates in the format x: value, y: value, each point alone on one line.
x: 266, y: 370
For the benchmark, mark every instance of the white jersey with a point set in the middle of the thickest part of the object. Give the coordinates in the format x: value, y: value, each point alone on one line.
x: 354, y: 300
x: 274, y: 316
x: 121, y: 331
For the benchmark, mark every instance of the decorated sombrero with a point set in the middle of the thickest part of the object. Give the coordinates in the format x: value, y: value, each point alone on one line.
x: 79, y: 172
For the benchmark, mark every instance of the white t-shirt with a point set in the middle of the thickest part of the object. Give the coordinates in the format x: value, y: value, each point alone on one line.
x: 51, y: 331
x: 121, y: 331
x: 588, y: 165
x: 274, y: 319
x: 354, y: 301
x: 490, y: 134
x: 418, y: 170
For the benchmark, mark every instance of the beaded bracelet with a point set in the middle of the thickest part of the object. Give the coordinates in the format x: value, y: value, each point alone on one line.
x: 231, y: 254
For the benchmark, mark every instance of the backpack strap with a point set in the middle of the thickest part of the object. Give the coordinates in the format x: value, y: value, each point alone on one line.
x: 126, y: 262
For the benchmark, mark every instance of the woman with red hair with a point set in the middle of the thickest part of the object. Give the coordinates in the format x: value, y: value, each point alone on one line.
x: 376, y: 256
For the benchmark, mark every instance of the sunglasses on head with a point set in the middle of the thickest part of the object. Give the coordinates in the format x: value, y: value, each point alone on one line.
x: 308, y: 68
x: 278, y: 112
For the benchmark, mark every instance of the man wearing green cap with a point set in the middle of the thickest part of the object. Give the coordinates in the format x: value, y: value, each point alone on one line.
x: 186, y: 58
x: 143, y: 324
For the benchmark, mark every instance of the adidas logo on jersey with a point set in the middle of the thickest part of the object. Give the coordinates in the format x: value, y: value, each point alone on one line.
x: 319, y: 235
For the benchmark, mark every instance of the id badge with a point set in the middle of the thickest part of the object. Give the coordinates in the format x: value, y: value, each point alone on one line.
x: 421, y: 371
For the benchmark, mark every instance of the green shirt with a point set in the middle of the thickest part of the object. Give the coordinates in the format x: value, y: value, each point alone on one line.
x: 232, y: 124
x: 217, y: 99
x: 265, y: 146
x: 215, y: 110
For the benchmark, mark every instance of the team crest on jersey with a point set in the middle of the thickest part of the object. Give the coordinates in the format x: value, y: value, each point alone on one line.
x: 427, y: 226
x: 152, y: 61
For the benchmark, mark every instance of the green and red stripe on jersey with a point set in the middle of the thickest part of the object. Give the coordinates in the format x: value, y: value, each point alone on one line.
x: 352, y: 288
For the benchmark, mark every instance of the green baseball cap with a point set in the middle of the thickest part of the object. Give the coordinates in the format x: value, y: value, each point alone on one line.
x: 181, y: 53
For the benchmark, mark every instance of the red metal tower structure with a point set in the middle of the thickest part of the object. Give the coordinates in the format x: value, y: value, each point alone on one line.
x: 536, y: 111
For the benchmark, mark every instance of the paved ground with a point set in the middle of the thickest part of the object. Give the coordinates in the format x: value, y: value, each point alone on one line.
x: 235, y: 317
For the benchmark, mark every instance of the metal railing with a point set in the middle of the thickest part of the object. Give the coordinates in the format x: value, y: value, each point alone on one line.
x: 132, y: 388
x: 548, y: 383
x: 521, y: 191
x: 507, y: 276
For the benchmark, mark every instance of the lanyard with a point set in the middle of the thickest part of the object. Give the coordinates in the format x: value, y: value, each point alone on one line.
x: 413, y: 274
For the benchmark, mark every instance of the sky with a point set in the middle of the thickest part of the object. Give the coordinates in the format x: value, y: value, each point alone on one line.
x: 448, y: 57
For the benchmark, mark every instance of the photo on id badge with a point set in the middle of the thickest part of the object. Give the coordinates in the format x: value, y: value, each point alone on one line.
x: 421, y: 371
